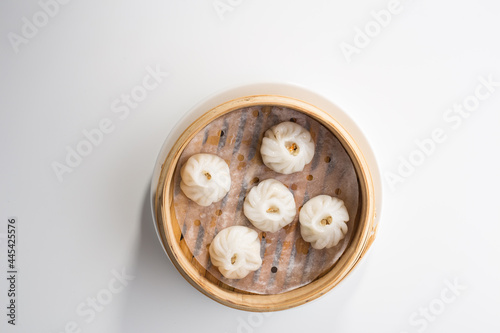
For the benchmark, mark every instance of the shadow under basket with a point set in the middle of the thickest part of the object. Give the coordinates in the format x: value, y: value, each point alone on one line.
x: 361, y: 238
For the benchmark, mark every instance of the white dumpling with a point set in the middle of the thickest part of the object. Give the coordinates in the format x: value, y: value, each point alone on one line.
x: 287, y: 148
x: 236, y: 252
x: 323, y: 221
x: 270, y: 206
x: 205, y: 179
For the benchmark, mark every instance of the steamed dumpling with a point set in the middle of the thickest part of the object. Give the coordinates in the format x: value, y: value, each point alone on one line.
x: 287, y: 148
x: 236, y: 252
x: 205, y: 179
x: 269, y: 206
x: 323, y: 221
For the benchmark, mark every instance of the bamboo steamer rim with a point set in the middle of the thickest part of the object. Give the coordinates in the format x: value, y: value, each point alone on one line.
x: 360, y: 242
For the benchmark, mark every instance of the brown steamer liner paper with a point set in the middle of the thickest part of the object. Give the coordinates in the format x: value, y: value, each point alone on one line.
x: 288, y: 261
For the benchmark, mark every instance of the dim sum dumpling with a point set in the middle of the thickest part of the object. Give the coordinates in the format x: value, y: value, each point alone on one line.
x: 236, y: 252
x: 205, y: 179
x: 287, y: 148
x: 323, y: 221
x: 269, y: 206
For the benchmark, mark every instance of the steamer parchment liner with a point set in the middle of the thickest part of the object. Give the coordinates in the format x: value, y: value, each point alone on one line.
x: 236, y: 138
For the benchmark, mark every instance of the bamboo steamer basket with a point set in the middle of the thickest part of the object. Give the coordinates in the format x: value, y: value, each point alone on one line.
x: 168, y: 229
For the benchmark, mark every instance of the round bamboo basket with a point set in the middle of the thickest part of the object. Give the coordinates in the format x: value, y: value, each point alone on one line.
x: 170, y: 235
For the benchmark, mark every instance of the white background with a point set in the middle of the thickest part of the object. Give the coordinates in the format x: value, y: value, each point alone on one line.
x: 441, y: 224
